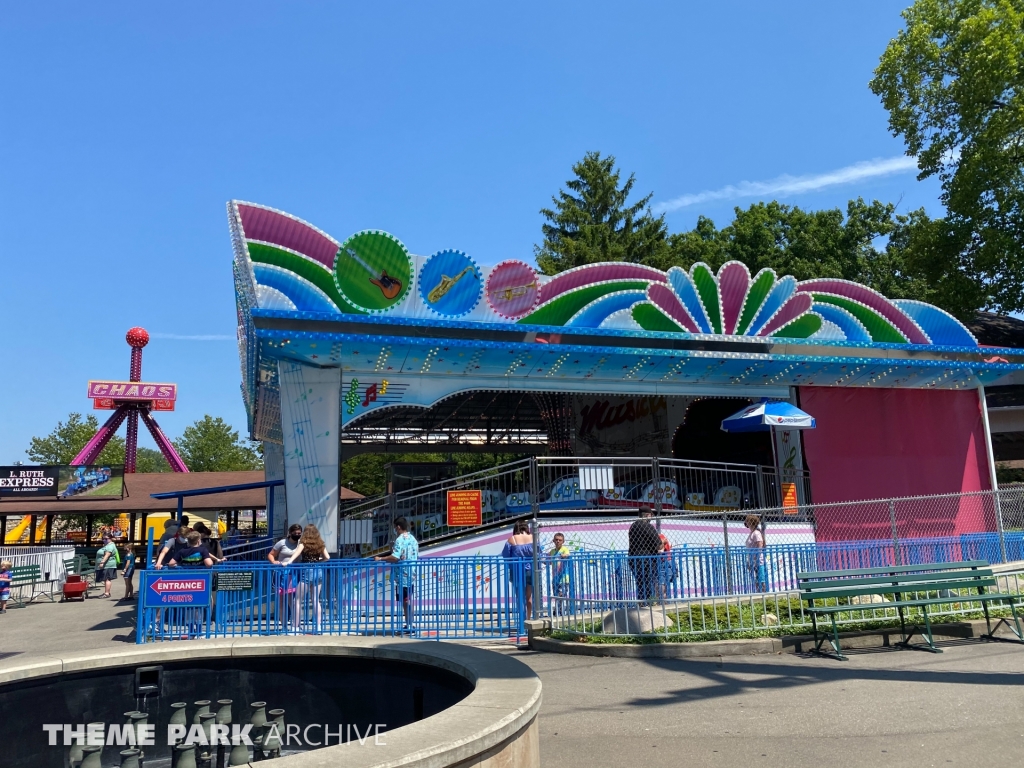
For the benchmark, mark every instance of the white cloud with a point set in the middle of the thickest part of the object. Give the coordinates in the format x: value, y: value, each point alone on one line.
x: 794, y: 185
x: 201, y: 337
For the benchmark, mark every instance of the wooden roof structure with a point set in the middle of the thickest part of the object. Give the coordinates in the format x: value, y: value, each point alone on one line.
x: 139, y: 486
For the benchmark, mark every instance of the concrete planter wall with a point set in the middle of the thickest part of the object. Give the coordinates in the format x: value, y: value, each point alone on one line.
x: 496, y: 725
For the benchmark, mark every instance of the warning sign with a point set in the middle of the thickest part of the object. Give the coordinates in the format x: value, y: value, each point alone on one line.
x: 789, y: 501
x: 465, y: 508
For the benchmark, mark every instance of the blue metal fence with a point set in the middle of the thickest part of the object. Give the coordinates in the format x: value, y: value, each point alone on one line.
x: 448, y: 598
x: 485, y: 596
x: 704, y: 572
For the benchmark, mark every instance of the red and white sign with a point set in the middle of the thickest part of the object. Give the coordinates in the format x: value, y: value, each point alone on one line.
x: 132, y: 391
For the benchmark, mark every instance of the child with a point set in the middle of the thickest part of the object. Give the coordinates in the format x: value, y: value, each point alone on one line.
x: 129, y: 571
x: 5, y: 584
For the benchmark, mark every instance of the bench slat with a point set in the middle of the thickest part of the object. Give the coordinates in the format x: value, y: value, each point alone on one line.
x: 903, y: 579
x: 989, y: 597
x: 894, y: 569
x: 885, y: 589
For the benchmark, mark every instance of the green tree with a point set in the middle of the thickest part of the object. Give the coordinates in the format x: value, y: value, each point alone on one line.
x: 211, y: 445
x: 150, y: 460
x: 809, y: 244
x: 68, y: 438
x: 951, y: 81
x: 592, y: 221
x: 365, y: 473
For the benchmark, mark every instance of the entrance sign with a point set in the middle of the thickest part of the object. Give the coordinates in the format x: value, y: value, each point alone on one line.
x: 28, y: 482
x: 185, y: 588
x: 465, y: 508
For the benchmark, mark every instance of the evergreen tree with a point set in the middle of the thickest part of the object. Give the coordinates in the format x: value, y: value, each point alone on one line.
x: 592, y: 221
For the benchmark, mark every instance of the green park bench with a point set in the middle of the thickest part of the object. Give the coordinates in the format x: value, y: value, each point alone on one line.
x: 28, y: 576
x: 828, y: 593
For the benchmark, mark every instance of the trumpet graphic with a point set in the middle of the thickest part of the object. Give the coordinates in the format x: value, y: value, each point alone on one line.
x: 438, y: 292
x: 512, y: 292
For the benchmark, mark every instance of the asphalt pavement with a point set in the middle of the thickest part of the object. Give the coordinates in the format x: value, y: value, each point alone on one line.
x: 881, y: 708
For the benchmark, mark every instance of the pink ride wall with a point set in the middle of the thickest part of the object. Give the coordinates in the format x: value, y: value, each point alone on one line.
x: 888, y: 443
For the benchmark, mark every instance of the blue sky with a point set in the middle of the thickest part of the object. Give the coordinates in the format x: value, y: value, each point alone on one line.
x: 127, y: 126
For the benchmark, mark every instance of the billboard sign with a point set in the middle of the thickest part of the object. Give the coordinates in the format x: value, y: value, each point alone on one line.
x: 91, y: 481
x: 132, y: 390
x: 28, y: 482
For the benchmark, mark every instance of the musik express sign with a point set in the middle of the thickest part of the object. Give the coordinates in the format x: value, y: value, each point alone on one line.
x: 132, y: 390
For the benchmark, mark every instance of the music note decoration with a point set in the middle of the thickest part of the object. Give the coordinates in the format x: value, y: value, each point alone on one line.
x: 352, y: 397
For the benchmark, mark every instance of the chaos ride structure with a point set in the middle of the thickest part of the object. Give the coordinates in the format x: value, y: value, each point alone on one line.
x: 356, y: 345
x: 130, y: 401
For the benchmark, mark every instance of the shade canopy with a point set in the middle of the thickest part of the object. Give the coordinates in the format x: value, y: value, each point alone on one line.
x: 763, y: 416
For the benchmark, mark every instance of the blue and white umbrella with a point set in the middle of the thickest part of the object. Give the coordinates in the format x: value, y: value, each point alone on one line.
x: 766, y: 415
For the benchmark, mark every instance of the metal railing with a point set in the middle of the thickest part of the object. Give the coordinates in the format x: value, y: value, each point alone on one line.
x: 559, y: 485
x: 449, y: 598
x: 247, y: 549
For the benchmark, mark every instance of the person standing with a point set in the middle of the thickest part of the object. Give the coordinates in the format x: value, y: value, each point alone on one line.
x: 311, y: 550
x: 210, y: 542
x: 756, y: 565
x: 129, y: 572
x: 193, y: 555
x: 106, y: 564
x: 519, y: 549
x: 666, y: 566
x: 644, y: 545
x: 559, y: 570
x: 6, y: 577
x: 287, y: 589
x: 404, y: 552
x: 171, y: 545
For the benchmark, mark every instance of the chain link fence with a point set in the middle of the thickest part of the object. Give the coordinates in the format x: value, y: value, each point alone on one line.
x: 709, y: 555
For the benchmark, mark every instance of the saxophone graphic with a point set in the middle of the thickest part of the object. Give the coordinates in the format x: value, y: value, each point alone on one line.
x: 438, y: 292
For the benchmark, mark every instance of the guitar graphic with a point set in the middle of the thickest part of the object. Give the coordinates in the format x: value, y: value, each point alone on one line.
x: 512, y: 292
x: 388, y: 285
x: 446, y: 284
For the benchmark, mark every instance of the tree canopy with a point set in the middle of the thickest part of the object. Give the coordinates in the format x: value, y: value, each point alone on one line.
x: 902, y: 255
x: 211, y: 445
x: 68, y: 438
x: 952, y: 81
x: 808, y: 244
x: 365, y: 473
x: 592, y: 220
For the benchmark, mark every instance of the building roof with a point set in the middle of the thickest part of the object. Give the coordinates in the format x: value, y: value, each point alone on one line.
x: 140, y: 485
x: 994, y: 330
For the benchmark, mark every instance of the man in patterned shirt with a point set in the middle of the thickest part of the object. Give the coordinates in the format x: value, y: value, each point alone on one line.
x: 404, y: 551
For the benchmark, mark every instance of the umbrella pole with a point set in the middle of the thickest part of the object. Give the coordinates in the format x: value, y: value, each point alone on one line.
x: 775, y: 462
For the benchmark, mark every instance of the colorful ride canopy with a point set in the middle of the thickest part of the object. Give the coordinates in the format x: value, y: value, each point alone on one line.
x: 296, y: 267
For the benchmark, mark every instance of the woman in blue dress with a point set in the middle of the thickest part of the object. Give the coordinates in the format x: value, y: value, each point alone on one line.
x: 519, y: 550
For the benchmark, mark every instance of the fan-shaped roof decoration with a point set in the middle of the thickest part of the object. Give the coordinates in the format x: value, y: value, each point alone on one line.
x: 292, y: 264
